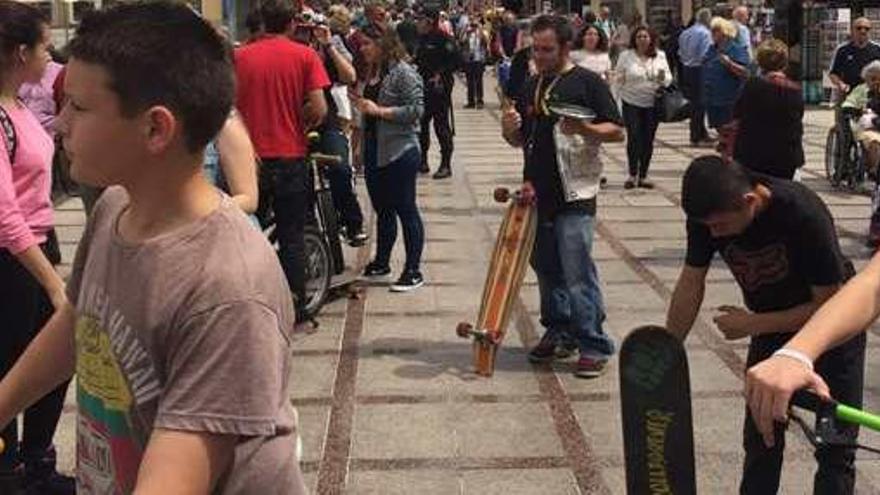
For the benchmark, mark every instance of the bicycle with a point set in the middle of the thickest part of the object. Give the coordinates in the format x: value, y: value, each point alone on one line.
x: 844, y: 157
x: 324, y: 257
x: 830, y: 414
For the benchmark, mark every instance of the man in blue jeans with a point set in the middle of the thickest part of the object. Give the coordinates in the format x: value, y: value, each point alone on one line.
x: 565, y: 192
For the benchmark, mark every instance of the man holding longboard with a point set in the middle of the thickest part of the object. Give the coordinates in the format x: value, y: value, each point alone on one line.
x: 778, y: 239
x: 562, y: 170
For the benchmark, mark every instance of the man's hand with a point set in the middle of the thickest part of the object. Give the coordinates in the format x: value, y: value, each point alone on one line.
x: 527, y: 193
x: 322, y: 35
x: 366, y: 106
x: 570, y: 126
x: 843, y: 88
x: 769, y: 387
x: 511, y: 121
x: 734, y: 322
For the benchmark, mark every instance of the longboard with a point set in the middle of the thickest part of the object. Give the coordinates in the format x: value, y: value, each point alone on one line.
x: 513, y: 247
x: 658, y: 436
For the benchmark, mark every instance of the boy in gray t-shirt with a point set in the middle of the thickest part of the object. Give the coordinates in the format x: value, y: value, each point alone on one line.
x: 179, y: 320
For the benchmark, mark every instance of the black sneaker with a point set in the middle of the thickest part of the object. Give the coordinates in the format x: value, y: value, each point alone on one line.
x: 545, y: 351
x: 374, y: 270
x: 443, y: 173
x: 409, y: 280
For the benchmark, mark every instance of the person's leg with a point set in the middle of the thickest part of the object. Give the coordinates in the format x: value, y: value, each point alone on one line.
x: 444, y: 132
x: 555, y: 308
x: 345, y: 200
x: 425, y: 130
x: 574, y: 237
x: 479, y: 69
x: 843, y: 369
x: 292, y: 197
x: 471, y: 85
x: 402, y: 178
x: 386, y: 221
x: 651, y: 122
x: 762, y: 466
x: 631, y: 121
x: 698, y: 132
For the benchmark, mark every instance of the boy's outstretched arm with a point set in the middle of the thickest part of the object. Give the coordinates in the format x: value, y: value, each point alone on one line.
x: 48, y: 362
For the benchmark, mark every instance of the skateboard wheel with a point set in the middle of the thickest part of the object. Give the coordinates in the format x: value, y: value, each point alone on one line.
x: 501, y: 195
x: 464, y: 329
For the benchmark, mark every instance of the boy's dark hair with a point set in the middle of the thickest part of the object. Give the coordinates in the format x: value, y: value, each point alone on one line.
x: 711, y: 186
x: 20, y: 24
x: 277, y: 15
x: 254, y: 22
x: 162, y: 53
x: 556, y: 23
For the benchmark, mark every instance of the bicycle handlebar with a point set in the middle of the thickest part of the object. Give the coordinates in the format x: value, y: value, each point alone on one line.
x: 812, y: 402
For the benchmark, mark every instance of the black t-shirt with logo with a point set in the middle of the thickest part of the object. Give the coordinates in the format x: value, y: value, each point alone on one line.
x: 577, y: 86
x: 849, y: 60
x: 789, y: 248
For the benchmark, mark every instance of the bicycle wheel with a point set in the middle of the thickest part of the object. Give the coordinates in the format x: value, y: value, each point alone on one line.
x: 832, y: 158
x: 318, y: 271
x: 331, y: 226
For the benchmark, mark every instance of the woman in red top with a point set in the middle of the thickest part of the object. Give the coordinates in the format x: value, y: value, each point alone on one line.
x: 30, y: 288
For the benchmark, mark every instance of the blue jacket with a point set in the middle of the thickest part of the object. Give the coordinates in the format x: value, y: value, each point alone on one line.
x: 720, y: 86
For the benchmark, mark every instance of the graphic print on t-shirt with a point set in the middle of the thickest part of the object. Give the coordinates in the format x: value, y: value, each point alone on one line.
x: 115, y: 378
x: 752, y: 269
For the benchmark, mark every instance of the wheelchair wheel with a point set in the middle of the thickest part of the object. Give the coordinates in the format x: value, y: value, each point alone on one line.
x: 318, y: 271
x: 855, y: 176
x: 833, y: 158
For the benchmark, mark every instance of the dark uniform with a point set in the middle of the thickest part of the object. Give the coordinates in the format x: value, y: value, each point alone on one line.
x: 437, y: 59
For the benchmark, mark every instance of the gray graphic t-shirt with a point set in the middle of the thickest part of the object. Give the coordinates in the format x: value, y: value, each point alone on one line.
x: 187, y: 331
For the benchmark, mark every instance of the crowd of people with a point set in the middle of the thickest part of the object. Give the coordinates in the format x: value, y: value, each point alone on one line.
x: 190, y: 141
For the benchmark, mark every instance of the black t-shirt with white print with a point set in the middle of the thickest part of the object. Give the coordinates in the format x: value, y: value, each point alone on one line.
x: 790, y: 247
x: 577, y: 86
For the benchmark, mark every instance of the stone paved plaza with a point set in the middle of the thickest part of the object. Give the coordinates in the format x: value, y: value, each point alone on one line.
x: 388, y: 404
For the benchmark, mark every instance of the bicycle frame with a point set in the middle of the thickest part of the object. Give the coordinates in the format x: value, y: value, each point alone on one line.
x: 828, y: 414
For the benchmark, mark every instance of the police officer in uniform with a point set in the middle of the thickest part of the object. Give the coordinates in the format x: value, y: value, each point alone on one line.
x: 437, y: 58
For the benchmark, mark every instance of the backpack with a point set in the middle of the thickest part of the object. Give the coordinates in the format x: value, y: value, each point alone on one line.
x: 8, y: 129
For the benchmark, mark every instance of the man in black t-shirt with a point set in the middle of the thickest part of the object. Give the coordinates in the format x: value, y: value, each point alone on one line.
x: 778, y: 239
x: 850, y: 58
x: 571, y: 298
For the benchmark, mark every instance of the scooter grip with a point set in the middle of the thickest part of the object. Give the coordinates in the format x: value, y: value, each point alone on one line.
x: 806, y: 399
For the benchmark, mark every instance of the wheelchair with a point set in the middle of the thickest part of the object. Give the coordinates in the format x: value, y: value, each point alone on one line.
x: 845, y: 163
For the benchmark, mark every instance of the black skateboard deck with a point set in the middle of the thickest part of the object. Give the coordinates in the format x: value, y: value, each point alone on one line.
x: 658, y: 434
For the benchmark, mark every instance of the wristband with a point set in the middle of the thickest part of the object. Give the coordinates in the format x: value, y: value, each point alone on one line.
x: 796, y: 355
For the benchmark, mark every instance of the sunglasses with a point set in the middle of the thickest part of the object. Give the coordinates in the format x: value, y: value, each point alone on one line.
x: 863, y: 28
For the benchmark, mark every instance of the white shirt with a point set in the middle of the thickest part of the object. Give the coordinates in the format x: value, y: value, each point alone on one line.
x: 598, y: 62
x: 638, y: 78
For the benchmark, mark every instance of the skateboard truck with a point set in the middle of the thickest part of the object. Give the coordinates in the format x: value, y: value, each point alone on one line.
x: 465, y: 330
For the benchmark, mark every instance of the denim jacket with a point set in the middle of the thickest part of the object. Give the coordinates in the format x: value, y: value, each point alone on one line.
x: 401, y: 90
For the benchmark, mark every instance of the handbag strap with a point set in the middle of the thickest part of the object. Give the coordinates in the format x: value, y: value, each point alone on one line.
x: 8, y: 129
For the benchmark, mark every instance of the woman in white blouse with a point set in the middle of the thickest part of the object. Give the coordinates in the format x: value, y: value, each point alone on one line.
x: 640, y: 72
x: 591, y: 51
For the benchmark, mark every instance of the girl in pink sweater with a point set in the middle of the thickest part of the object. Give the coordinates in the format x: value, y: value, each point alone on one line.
x: 30, y: 288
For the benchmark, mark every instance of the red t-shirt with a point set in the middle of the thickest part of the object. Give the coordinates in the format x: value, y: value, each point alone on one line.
x: 274, y: 75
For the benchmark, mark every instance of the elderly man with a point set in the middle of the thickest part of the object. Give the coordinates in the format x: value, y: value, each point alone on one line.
x: 851, y: 57
x: 693, y: 44
x: 743, y: 34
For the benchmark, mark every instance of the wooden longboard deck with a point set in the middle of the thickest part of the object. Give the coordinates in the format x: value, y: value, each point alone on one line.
x: 513, y: 247
x: 658, y: 434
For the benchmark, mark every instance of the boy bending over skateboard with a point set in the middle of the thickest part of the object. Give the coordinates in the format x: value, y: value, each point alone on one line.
x: 179, y: 320
x: 571, y: 298
x: 778, y: 239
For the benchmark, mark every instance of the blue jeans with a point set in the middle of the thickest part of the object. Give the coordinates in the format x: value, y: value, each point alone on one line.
x: 335, y: 142
x: 571, y: 298
x: 392, y: 190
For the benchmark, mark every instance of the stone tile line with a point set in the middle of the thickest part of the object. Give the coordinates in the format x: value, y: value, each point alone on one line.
x: 334, y: 465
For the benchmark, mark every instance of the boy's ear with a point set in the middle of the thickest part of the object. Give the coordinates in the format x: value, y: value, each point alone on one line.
x: 160, y: 129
